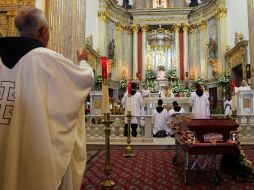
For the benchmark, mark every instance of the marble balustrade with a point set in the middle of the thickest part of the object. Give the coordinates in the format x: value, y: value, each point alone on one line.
x: 95, y: 130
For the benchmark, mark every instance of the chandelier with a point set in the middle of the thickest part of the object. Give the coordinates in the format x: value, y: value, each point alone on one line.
x: 160, y: 39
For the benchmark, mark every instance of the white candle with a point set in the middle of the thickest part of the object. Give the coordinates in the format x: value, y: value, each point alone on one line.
x: 129, y: 103
x: 105, y: 99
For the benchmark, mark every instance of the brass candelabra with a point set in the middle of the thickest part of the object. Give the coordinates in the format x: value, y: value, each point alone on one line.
x: 107, y: 182
x: 128, y: 150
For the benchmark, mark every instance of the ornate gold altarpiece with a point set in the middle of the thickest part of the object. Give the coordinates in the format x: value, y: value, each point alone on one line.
x: 237, y: 56
x: 8, y: 10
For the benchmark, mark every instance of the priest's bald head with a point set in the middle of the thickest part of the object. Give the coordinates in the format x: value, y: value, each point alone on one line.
x: 31, y: 22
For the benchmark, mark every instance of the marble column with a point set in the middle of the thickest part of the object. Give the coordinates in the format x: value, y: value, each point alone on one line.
x: 67, y: 20
x: 129, y: 53
x: 135, y: 29
x: 203, y: 49
x: 222, y: 37
x: 103, y: 32
x: 193, y: 53
x: 251, y: 38
x: 177, y: 49
x: 186, y: 49
x: 144, y: 29
x: 118, y: 50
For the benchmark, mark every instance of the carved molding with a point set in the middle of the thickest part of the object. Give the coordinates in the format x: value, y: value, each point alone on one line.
x: 236, y: 55
x: 203, y: 24
x: 103, y: 15
x: 94, y: 57
x: 135, y: 28
x: 221, y: 12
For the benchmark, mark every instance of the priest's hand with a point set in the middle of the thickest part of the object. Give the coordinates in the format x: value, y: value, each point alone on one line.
x: 82, y: 55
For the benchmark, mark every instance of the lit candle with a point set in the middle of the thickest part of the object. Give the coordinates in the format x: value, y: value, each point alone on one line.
x: 129, y: 97
x: 104, y: 67
x: 105, y: 94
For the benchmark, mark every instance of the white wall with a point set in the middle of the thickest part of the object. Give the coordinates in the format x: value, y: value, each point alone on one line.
x: 92, y: 8
x: 237, y: 20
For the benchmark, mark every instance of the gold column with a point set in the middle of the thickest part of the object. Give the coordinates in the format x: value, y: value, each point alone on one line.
x: 203, y: 49
x: 220, y: 16
x: 186, y: 48
x: 144, y: 29
x: 103, y: 25
x: 251, y: 38
x: 177, y: 48
x: 66, y: 18
x: 135, y: 29
x: 11, y: 31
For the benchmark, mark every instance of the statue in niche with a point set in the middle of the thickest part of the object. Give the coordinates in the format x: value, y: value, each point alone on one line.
x: 111, y: 49
x: 212, y: 46
x: 193, y: 3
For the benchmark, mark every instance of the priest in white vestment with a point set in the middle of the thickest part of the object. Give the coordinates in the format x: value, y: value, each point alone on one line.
x: 199, y: 102
x: 42, y: 130
x: 137, y: 109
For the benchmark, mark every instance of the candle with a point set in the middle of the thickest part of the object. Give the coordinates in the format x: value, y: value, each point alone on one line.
x: 129, y: 97
x: 232, y: 85
x: 104, y: 67
x: 105, y: 94
x: 105, y: 98
x: 129, y: 87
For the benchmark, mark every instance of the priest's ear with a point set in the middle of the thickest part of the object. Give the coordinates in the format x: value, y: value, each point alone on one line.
x: 43, y: 35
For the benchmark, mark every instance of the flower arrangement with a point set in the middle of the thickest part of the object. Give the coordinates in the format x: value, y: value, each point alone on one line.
x: 239, y: 165
x: 161, y: 67
x: 176, y: 87
x: 200, y: 80
x: 150, y: 77
x: 123, y: 84
x: 98, y: 81
x: 224, y: 80
x: 172, y: 74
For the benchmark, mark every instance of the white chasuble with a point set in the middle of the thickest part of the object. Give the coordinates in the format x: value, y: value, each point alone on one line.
x: 45, y: 132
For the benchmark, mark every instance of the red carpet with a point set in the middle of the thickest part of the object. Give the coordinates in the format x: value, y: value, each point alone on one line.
x: 153, y: 170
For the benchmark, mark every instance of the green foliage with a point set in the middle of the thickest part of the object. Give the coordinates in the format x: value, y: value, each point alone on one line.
x: 201, y: 80
x: 176, y: 87
x: 172, y: 74
x: 150, y: 77
x: 224, y: 79
x: 161, y: 67
x: 98, y: 81
x: 123, y: 84
x: 239, y: 165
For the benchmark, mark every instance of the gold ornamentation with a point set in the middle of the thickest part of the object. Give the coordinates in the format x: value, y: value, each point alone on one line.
x: 135, y: 28
x: 220, y: 12
x: 185, y: 27
x: 144, y: 27
x: 176, y: 27
x: 202, y: 25
x: 103, y: 15
x: 120, y: 26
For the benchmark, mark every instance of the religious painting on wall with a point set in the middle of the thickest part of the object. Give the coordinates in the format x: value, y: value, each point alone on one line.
x: 214, y: 68
x: 111, y: 40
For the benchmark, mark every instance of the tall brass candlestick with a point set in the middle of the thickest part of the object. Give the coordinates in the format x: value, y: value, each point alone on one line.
x: 107, y: 182
x: 128, y: 150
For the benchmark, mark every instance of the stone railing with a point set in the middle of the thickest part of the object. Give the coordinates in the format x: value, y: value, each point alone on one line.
x: 95, y: 130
